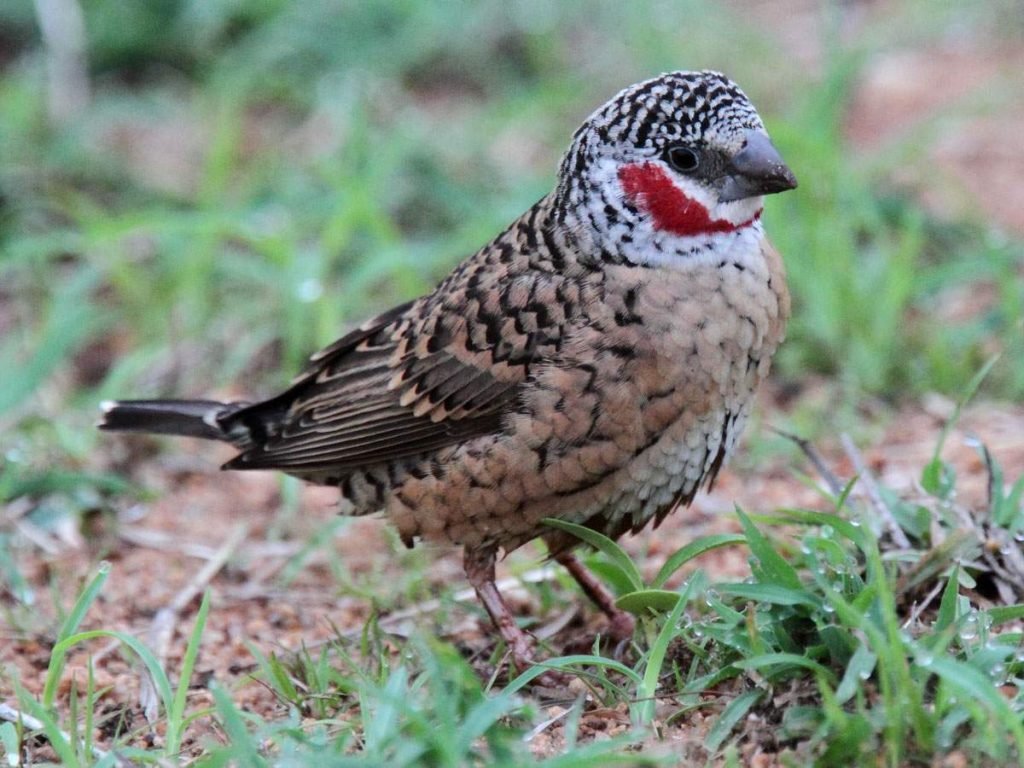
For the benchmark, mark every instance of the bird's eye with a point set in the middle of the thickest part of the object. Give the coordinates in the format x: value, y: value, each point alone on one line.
x: 683, y: 159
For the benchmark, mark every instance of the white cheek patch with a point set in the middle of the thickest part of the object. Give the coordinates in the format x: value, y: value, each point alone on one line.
x: 695, y: 191
x: 738, y: 211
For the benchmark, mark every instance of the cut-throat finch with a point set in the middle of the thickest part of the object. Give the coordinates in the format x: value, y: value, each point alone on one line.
x: 595, y: 362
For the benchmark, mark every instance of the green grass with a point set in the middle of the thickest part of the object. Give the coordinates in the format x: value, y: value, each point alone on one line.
x: 826, y: 613
x: 318, y: 167
x: 74, y: 747
x: 885, y: 655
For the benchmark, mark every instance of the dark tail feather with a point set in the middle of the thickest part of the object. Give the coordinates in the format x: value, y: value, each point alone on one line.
x: 190, y: 418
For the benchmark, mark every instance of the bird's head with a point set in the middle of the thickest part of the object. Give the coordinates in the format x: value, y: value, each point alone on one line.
x: 671, y: 163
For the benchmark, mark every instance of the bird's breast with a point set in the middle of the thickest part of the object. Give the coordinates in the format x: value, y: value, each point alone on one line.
x: 705, y: 334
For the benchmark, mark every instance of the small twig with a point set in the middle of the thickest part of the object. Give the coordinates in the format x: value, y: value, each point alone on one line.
x: 539, y: 729
x: 160, y: 631
x: 112, y: 645
x: 154, y: 539
x: 188, y: 593
x: 41, y: 538
x: 557, y: 624
x: 956, y: 547
x: 815, y: 458
x: 159, y: 540
x: 1007, y: 567
x: 865, y: 478
x: 15, y: 509
x: 12, y: 715
x: 62, y: 24
x: 990, y: 471
x: 918, y: 608
x: 271, y: 557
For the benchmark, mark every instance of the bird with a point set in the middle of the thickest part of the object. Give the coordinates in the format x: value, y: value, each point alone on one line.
x: 594, y: 363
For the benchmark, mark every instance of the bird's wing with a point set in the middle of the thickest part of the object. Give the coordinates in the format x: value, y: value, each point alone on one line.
x: 423, y: 376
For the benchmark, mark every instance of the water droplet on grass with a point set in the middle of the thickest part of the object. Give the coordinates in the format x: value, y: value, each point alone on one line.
x: 309, y: 290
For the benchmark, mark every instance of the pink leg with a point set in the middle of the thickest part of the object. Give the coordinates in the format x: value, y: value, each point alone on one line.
x: 479, y: 566
x: 621, y: 624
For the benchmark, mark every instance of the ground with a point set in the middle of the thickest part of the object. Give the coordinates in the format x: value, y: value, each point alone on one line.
x: 285, y: 573
x: 159, y: 548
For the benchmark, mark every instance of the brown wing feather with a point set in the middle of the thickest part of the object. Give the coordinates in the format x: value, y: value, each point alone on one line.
x: 425, y: 375
x: 352, y: 410
x: 386, y: 391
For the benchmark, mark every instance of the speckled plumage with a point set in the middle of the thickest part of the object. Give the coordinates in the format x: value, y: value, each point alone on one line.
x: 591, y: 363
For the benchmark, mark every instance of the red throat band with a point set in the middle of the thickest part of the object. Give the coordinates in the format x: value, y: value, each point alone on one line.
x: 649, y: 188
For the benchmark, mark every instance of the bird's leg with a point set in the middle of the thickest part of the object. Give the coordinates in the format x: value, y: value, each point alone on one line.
x: 621, y: 623
x: 479, y: 566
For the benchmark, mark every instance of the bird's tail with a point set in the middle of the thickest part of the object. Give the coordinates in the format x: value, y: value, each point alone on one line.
x: 189, y: 418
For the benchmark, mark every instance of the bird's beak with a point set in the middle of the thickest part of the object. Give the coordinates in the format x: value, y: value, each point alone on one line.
x: 757, y: 169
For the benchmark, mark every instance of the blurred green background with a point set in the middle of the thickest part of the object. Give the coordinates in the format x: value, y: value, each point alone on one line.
x: 196, y: 194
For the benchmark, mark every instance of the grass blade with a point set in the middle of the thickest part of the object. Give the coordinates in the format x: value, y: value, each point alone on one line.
x: 771, y: 566
x: 736, y: 710
x: 694, y: 549
x: 603, y: 544
x: 859, y: 669
x: 809, y: 517
x: 643, y: 601
x: 644, y: 711
x: 947, y: 606
x: 68, y: 628
x: 188, y: 662
x: 150, y: 661
x: 1002, y: 614
x: 565, y: 662
x: 789, y: 659
x: 54, y: 735
x: 243, y: 750
x: 771, y: 593
x: 971, y: 683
